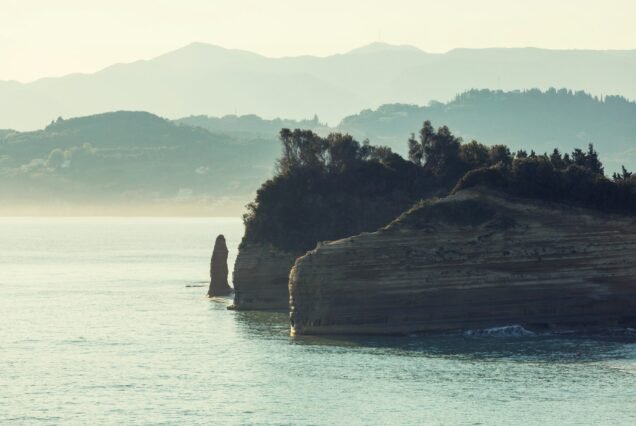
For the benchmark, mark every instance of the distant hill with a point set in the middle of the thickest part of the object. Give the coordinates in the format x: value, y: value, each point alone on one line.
x: 540, y: 120
x: 131, y: 161
x: 4, y: 132
x: 206, y: 79
x: 249, y: 125
x: 140, y: 163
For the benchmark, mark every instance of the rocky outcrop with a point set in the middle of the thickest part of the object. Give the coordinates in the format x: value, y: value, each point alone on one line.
x: 473, y: 260
x: 261, y: 275
x: 218, y: 269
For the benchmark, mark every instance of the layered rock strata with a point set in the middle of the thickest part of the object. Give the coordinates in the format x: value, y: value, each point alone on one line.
x: 261, y: 275
x: 218, y: 269
x: 472, y: 260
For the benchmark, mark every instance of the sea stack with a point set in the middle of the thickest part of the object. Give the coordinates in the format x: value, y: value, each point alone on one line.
x: 473, y: 260
x: 218, y: 269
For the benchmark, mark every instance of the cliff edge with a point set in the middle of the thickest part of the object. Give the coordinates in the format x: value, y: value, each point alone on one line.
x: 261, y: 274
x: 475, y: 259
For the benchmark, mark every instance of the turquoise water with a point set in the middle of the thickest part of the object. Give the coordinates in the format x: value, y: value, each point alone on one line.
x: 99, y: 327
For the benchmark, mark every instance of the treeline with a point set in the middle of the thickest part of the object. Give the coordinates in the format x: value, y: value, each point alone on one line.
x: 326, y: 188
x: 303, y: 149
x: 576, y: 178
x: 577, y: 98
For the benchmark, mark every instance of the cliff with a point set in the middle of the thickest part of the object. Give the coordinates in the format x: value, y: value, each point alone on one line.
x: 218, y: 269
x: 475, y: 259
x: 318, y: 202
x: 261, y: 274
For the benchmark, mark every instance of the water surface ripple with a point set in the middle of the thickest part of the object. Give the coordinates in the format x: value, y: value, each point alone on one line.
x: 100, y: 325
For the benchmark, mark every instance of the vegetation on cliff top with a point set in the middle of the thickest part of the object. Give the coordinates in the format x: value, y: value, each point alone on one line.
x: 334, y: 187
x: 576, y: 179
x: 330, y: 188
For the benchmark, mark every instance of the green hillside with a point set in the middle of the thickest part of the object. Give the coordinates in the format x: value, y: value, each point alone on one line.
x: 129, y: 158
x: 533, y: 119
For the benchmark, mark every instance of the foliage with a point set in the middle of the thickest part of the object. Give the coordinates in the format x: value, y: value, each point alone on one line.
x: 330, y: 188
x: 576, y: 179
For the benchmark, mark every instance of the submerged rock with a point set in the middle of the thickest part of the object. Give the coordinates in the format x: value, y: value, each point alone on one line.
x: 473, y: 260
x: 261, y: 276
x: 218, y: 269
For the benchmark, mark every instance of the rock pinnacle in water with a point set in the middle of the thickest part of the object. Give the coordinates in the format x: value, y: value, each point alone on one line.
x: 218, y: 269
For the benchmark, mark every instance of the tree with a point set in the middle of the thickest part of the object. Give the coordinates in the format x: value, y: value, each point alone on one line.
x: 301, y: 148
x: 588, y: 160
x: 427, y: 133
x: 557, y: 160
x: 342, y: 150
x: 623, y: 176
x: 416, y: 152
x: 578, y: 157
x: 500, y: 154
x: 441, y: 149
x: 592, y: 161
x: 474, y: 154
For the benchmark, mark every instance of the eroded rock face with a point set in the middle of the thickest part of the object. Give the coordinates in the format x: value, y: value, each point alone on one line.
x: 218, y: 269
x: 261, y: 275
x: 473, y: 260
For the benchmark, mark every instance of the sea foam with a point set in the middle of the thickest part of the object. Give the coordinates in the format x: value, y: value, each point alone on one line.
x: 504, y: 331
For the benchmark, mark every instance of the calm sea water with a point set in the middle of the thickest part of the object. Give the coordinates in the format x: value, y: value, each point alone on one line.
x: 99, y: 326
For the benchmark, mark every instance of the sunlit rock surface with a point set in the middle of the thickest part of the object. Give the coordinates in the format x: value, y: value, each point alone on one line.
x: 218, y: 269
x: 261, y: 275
x: 473, y: 260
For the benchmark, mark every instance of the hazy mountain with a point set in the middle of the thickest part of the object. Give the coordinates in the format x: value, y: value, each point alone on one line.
x: 520, y: 119
x: 130, y: 161
x: 210, y: 80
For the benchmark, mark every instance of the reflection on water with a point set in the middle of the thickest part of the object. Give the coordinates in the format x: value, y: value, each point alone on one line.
x: 535, y: 348
x: 264, y: 325
x: 501, y: 343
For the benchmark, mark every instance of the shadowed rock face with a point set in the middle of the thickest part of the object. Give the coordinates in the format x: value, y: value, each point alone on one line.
x: 218, y: 269
x: 261, y: 276
x: 475, y: 259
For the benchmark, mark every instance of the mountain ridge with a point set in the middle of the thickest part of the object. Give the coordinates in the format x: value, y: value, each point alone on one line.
x: 205, y: 79
x: 367, y: 48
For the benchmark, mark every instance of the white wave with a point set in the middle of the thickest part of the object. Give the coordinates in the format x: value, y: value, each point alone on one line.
x: 504, y: 331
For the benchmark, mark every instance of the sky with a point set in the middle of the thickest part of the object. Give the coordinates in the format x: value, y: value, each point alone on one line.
x: 43, y: 38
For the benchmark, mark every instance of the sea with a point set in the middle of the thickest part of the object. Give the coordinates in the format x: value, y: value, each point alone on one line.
x: 106, y: 321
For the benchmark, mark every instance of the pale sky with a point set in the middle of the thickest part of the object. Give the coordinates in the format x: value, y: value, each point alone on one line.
x: 40, y: 38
